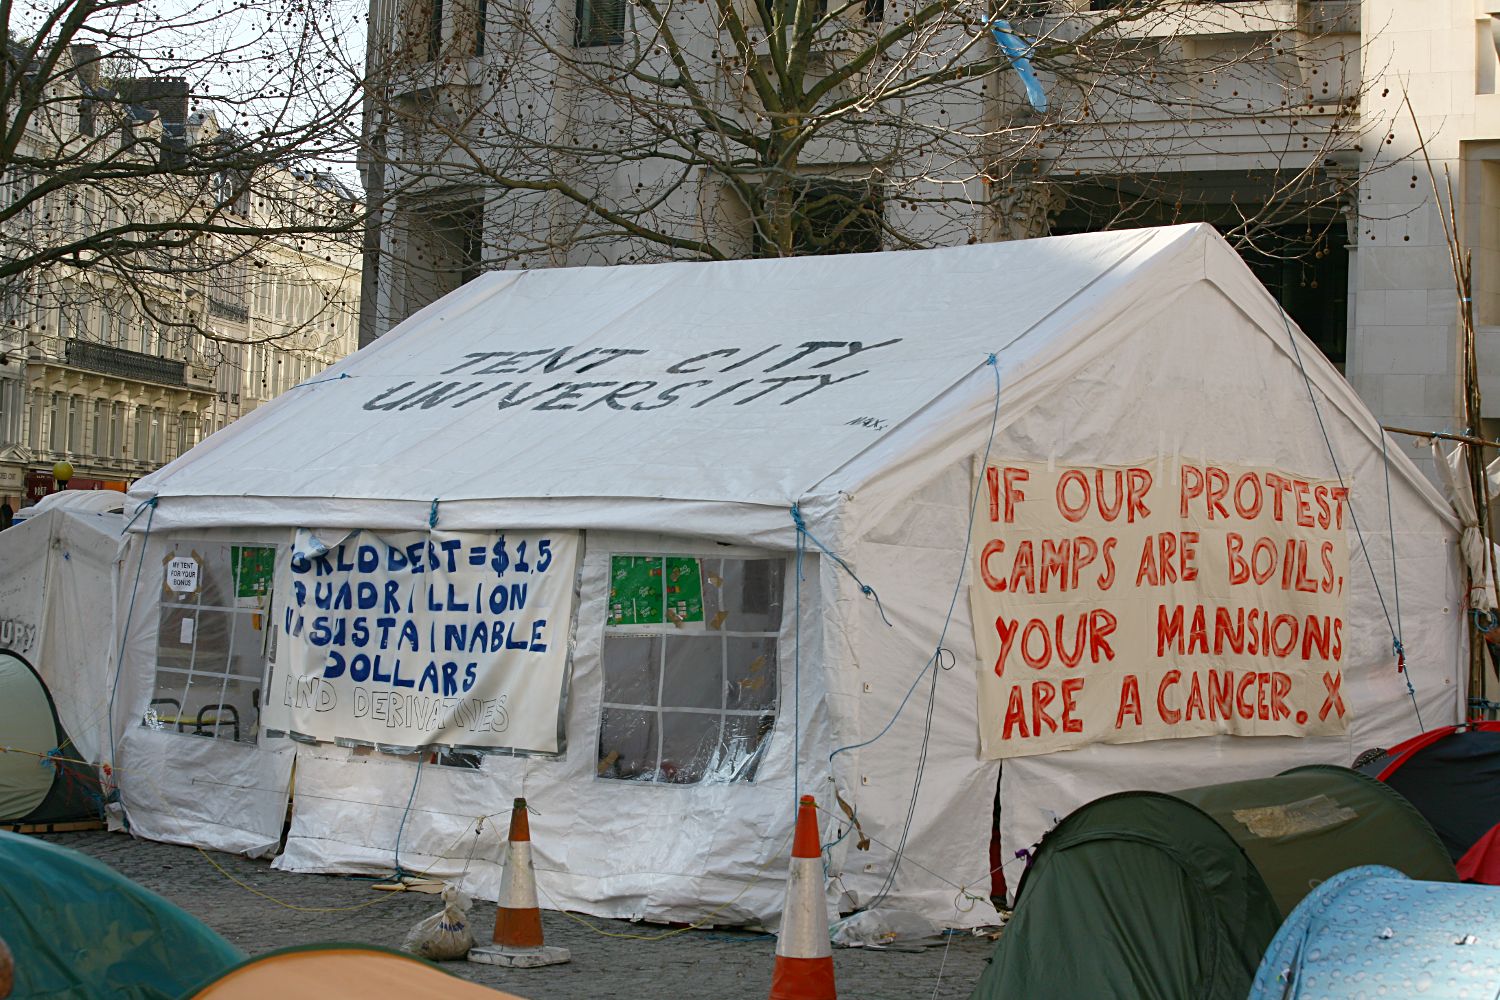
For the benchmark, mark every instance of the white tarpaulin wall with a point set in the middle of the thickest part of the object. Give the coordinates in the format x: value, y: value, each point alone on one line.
x: 190, y: 761
x: 683, y: 409
x: 56, y: 592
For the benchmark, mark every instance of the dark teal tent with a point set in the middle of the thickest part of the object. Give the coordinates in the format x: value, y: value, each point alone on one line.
x: 1159, y: 897
x: 79, y: 930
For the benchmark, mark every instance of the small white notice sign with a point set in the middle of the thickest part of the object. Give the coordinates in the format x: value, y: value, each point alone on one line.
x: 182, y: 574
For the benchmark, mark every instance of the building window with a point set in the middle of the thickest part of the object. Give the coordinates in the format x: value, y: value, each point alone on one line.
x: 834, y: 216
x: 599, y: 22
x: 444, y: 248
x: 55, y: 424
x: 96, y: 444
x: 142, y: 434
x: 158, y: 433
x: 116, y: 430
x: 214, y: 641
x: 435, y: 29
x: 38, y: 407
x: 690, y: 668
x: 10, y: 411
x: 185, y: 424
x: 1306, y: 267
x: 75, y: 425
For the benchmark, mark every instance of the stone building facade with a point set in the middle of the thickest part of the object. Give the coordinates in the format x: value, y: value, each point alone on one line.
x: 1285, y: 123
x: 119, y: 370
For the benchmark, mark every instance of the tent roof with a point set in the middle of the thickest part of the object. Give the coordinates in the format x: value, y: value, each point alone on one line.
x: 1220, y: 865
x: 1306, y: 824
x: 90, y: 501
x: 341, y: 972
x: 1451, y: 775
x: 1371, y: 928
x: 77, y: 927
x: 749, y: 383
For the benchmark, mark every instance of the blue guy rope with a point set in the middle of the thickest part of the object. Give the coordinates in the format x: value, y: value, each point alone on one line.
x: 1396, y: 644
x: 405, y: 813
x: 320, y: 381
x: 148, y: 506
x: 802, y: 536
x: 933, y: 664
x: 1018, y: 50
x: 864, y: 588
x: 797, y: 671
x: 432, y: 518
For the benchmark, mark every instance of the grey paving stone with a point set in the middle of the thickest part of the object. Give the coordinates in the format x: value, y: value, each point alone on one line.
x: 704, y: 965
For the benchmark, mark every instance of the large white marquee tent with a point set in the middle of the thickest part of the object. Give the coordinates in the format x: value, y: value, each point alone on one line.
x: 667, y: 419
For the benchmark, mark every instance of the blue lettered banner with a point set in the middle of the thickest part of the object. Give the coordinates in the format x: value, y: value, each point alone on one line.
x: 425, y: 639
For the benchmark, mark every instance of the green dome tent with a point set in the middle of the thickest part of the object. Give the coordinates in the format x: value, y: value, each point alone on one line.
x: 1154, y: 896
x: 41, y: 779
x: 1309, y: 823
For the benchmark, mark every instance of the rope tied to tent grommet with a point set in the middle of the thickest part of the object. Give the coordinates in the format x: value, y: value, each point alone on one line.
x: 432, y: 514
x: 864, y: 588
x: 934, y: 665
x: 114, y: 689
x: 140, y: 509
x: 320, y: 381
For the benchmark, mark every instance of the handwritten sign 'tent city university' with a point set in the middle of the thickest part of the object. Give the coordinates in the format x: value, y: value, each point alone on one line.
x: 1122, y: 604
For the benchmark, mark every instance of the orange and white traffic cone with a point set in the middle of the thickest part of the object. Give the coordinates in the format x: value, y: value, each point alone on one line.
x: 804, y: 958
x: 518, y: 921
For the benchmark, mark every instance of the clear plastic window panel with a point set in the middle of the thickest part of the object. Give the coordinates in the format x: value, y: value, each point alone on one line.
x: 213, y: 637
x: 690, y: 667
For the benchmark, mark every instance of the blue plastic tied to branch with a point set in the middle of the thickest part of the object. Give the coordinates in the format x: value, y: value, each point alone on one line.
x: 1018, y: 50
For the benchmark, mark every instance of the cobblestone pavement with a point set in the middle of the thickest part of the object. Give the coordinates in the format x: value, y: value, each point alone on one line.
x: 702, y: 965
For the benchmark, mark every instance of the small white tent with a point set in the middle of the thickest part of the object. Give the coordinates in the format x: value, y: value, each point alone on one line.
x: 56, y: 607
x: 693, y: 660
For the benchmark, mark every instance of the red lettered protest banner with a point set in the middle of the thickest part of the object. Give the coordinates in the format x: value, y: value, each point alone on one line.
x: 1115, y: 604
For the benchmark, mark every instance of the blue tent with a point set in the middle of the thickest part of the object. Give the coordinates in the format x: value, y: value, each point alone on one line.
x: 1371, y: 931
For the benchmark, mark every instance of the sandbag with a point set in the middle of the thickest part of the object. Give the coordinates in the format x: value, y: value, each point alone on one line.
x: 446, y: 935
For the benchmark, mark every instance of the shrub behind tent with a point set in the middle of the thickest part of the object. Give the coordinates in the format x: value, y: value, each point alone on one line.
x: 1452, y: 776
x: 34, y: 788
x: 1372, y: 931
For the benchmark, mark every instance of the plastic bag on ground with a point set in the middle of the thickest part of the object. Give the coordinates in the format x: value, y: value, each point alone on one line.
x: 884, y: 929
x: 444, y: 936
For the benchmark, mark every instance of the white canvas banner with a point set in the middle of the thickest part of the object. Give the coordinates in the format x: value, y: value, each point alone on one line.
x: 1117, y: 604
x: 425, y: 639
